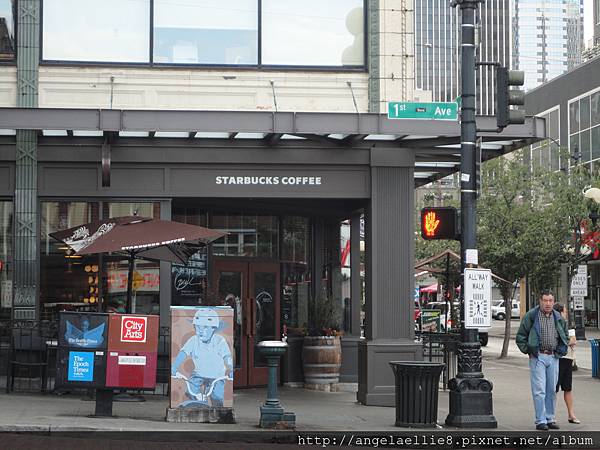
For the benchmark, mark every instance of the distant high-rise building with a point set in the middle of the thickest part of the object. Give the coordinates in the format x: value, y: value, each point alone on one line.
x: 596, y: 22
x: 437, y: 50
x: 547, y: 38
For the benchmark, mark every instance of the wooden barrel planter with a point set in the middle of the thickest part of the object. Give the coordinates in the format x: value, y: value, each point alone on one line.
x: 321, y: 360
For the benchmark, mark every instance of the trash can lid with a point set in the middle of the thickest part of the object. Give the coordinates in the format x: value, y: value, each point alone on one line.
x: 416, y: 364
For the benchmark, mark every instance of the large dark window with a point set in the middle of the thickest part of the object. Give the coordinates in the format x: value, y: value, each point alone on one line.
x: 311, y: 33
x: 7, y: 30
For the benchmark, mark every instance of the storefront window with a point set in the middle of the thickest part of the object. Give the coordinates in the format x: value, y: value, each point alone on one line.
x: 146, y: 274
x: 207, y: 32
x: 67, y: 281
x: 295, y: 274
x: 189, y: 283
x: 7, y: 30
x: 251, y: 235
x: 6, y: 259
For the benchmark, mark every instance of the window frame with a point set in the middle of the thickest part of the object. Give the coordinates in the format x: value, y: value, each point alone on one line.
x: 244, y: 67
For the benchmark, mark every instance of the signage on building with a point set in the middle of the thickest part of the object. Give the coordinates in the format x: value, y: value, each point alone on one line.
x: 269, y: 180
x: 432, y: 110
x: 478, y: 298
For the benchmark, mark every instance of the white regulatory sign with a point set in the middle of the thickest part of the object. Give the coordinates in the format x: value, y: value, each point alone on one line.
x: 579, y: 285
x: 578, y: 303
x: 478, y: 298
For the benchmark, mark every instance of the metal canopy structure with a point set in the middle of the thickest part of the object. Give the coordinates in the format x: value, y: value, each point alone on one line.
x: 436, y: 143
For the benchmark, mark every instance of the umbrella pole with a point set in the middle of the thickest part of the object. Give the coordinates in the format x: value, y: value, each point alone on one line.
x: 130, y: 282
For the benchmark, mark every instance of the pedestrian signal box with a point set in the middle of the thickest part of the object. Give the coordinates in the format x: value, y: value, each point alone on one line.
x: 439, y: 223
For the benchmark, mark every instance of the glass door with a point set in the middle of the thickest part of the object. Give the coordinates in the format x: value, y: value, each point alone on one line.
x: 251, y: 289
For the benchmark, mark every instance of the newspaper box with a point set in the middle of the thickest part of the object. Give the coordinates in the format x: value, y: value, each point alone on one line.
x: 81, y: 356
x: 132, y: 351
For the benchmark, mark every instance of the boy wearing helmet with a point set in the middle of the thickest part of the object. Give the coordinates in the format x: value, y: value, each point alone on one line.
x: 212, y: 359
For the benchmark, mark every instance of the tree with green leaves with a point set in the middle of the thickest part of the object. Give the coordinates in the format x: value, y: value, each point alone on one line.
x: 529, y: 223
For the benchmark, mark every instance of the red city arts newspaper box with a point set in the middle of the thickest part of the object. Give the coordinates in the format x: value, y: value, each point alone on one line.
x: 132, y: 351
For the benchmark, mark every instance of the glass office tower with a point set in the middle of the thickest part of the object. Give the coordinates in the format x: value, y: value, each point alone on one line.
x: 547, y: 38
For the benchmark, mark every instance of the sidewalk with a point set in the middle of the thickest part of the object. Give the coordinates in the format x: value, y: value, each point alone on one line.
x: 315, y: 411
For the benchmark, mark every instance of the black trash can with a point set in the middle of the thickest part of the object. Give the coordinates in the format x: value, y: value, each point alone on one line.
x: 417, y: 384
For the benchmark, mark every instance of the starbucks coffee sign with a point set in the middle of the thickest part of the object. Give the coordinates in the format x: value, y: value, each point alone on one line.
x: 270, y: 180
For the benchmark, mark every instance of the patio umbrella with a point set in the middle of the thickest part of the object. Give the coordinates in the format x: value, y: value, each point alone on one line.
x: 138, y: 237
x: 432, y: 289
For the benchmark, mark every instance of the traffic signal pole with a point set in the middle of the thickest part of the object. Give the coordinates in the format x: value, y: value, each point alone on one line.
x: 470, y: 393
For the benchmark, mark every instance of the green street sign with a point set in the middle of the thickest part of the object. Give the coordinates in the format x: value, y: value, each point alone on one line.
x: 411, y: 110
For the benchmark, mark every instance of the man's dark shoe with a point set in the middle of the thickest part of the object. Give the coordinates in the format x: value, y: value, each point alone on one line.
x: 541, y: 427
x: 553, y: 426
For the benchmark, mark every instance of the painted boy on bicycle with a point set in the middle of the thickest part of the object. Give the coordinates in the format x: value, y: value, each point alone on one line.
x: 213, y: 363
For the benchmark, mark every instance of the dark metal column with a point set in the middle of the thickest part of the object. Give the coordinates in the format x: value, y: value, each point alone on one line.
x: 26, y: 211
x: 389, y: 325
x: 470, y: 393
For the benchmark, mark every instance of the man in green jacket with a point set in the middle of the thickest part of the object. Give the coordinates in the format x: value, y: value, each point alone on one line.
x: 543, y: 336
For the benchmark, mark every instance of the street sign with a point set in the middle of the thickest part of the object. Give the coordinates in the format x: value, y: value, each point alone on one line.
x: 478, y: 298
x: 578, y: 303
x: 412, y: 110
x: 579, y: 282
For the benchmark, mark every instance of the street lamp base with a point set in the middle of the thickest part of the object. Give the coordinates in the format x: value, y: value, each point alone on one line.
x: 471, y: 403
x: 275, y: 417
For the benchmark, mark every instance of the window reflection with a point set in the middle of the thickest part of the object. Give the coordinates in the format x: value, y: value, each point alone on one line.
x: 67, y: 281
x: 250, y: 235
x: 208, y: 32
x: 292, y: 32
x: 7, y: 30
x: 189, y: 282
x: 88, y: 30
x: 211, y: 32
x: 146, y: 278
x: 6, y: 259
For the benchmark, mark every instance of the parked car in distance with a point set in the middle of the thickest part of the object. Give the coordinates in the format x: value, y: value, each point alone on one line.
x: 499, y: 311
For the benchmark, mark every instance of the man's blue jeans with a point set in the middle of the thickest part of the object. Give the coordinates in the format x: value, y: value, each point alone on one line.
x: 543, y: 372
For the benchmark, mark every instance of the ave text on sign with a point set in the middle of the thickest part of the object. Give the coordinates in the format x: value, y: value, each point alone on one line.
x: 412, y: 110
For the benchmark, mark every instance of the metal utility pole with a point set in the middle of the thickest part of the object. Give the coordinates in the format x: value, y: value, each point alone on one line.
x: 470, y: 393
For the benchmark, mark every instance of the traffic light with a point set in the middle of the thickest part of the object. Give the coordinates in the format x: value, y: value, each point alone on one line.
x: 439, y: 223
x: 506, y: 97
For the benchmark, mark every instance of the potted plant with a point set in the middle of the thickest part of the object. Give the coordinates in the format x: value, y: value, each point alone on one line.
x: 322, y: 350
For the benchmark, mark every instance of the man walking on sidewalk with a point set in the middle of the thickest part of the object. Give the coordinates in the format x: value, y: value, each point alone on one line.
x: 543, y: 336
